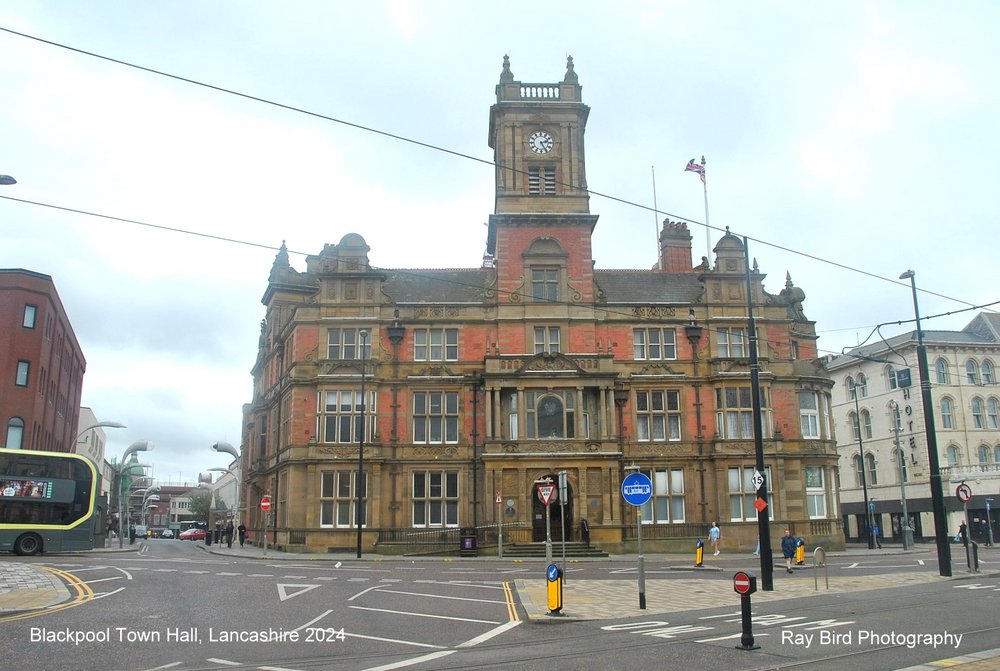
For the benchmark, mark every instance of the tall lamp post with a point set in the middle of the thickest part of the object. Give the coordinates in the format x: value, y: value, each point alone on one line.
x: 226, y: 448
x: 138, y: 446
x: 864, y: 480
x: 937, y: 490
x: 359, y: 509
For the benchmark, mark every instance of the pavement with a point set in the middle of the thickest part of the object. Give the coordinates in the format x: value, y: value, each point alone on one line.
x: 28, y: 587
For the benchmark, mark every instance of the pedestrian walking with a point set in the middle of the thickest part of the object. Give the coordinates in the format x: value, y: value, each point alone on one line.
x: 756, y: 552
x: 788, y: 549
x: 229, y: 534
x: 878, y: 540
x: 242, y: 529
x: 963, y: 534
x: 713, y: 535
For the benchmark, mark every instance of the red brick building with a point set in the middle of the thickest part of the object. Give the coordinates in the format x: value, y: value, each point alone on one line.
x: 476, y: 383
x: 41, y: 365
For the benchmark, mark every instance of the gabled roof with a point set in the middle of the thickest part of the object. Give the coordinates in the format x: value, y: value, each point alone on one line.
x: 645, y: 286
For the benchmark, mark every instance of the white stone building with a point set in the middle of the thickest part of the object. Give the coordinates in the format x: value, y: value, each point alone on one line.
x: 966, y: 404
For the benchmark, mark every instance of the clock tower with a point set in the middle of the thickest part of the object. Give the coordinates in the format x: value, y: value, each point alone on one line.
x: 542, y: 209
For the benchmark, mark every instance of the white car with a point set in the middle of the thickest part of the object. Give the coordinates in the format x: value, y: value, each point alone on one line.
x: 167, y: 533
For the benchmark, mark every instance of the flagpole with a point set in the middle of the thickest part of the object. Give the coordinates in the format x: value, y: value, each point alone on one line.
x: 656, y: 220
x: 708, y: 242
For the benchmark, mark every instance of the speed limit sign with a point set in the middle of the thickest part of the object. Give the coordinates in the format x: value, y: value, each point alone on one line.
x: 963, y: 492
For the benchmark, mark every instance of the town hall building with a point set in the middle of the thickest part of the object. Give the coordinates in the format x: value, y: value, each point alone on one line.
x: 456, y: 391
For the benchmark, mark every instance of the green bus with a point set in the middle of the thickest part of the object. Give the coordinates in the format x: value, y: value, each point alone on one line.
x: 49, y: 502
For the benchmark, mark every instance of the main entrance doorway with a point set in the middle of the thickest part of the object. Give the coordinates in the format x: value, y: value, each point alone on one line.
x: 558, y: 510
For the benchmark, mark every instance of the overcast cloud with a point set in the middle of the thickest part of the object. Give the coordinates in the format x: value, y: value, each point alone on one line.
x: 862, y: 133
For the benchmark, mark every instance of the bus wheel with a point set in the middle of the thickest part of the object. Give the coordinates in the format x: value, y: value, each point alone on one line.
x: 28, y: 544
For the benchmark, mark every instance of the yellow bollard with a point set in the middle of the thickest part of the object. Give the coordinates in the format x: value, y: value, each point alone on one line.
x: 699, y: 553
x: 800, y: 552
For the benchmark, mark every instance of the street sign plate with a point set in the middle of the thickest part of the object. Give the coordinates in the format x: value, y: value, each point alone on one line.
x: 744, y: 583
x: 760, y: 504
x: 637, y: 488
x: 265, y: 503
x: 552, y: 572
x: 757, y: 480
x: 964, y: 493
x: 498, y: 499
x: 545, y: 493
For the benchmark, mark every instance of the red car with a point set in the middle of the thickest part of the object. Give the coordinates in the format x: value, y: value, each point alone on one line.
x: 193, y: 535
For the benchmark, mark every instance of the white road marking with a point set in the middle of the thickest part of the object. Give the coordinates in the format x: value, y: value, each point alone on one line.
x: 364, y: 591
x: 291, y: 577
x: 854, y: 565
x: 198, y: 572
x: 216, y: 660
x: 286, y: 594
x: 314, y: 620
x: 428, y: 615
x: 164, y: 570
x: 394, y: 640
x: 104, y: 594
x: 257, y: 575
x: 275, y: 668
x: 496, y: 631
x: 410, y: 662
x: 326, y: 577
x: 438, y: 596
x: 717, y: 617
x: 920, y: 562
x: 91, y: 582
x: 225, y: 573
x: 165, y: 666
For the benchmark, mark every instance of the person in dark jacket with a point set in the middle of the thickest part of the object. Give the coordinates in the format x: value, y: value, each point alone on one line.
x: 788, y: 549
x: 242, y: 529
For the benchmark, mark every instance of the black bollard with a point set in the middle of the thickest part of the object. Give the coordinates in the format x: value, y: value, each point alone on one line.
x: 745, y: 584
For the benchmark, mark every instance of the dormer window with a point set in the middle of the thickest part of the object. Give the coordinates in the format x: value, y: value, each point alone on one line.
x: 545, y: 284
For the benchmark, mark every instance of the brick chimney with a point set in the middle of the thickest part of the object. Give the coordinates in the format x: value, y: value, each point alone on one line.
x: 675, y: 247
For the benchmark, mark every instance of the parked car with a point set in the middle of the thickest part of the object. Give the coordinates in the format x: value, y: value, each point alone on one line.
x: 193, y: 535
x: 167, y: 533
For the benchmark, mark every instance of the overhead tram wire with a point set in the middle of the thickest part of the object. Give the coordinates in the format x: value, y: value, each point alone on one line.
x: 493, y: 164
x: 257, y: 245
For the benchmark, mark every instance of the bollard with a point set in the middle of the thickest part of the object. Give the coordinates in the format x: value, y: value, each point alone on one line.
x: 745, y: 584
x: 800, y: 552
x: 554, y: 589
x: 699, y: 553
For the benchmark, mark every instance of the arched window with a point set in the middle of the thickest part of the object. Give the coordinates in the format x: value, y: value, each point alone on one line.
x: 872, y: 473
x: 851, y: 389
x: 993, y: 414
x: 15, y: 433
x: 890, y: 376
x: 984, y: 455
x: 978, y: 419
x: 972, y: 371
x: 862, y: 384
x: 947, y: 413
x: 996, y: 454
x: 857, y: 470
x: 550, y: 415
x: 952, y: 454
x: 852, y: 419
x: 866, y: 423
x: 941, y: 370
x: 987, y: 370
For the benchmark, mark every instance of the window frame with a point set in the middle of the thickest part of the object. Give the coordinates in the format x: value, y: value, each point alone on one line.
x: 340, y: 413
x: 644, y: 349
x: 741, y: 500
x: 424, y: 344
x: 978, y: 412
x: 548, y: 339
x: 342, y: 345
x: 726, y: 414
x: 809, y: 418
x: 972, y: 372
x: 666, y: 417
x: 30, y: 317
x: 332, y: 503
x: 22, y: 374
x: 424, y: 417
x: 943, y: 375
x: 815, y: 494
x: 727, y: 345
x: 947, y: 413
x: 668, y: 497
x: 447, y: 500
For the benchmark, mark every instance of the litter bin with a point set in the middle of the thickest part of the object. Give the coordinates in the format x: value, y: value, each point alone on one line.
x: 467, y: 546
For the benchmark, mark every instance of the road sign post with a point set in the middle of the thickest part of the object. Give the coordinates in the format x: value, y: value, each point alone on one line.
x: 637, y: 489
x: 499, y: 501
x: 265, y: 505
x: 745, y: 584
x: 562, y: 516
x: 545, y: 492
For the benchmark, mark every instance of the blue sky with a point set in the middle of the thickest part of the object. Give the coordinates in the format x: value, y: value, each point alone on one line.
x: 859, y: 133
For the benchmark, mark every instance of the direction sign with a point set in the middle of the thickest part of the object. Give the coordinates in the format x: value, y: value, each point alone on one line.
x: 637, y: 488
x: 744, y: 583
x: 757, y: 480
x: 552, y: 573
x: 265, y: 503
x: 545, y: 492
x: 964, y: 493
x: 760, y: 504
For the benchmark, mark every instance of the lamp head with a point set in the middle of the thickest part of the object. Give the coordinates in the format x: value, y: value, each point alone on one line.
x: 908, y: 275
x: 223, y: 446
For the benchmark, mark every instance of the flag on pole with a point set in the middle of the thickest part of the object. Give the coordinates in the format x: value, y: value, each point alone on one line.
x: 694, y: 167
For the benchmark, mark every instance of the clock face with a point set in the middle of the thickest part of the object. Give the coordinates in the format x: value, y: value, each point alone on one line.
x: 540, y: 142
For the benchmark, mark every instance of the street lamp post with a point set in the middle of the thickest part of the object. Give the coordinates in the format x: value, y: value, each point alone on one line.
x: 901, y: 462
x: 226, y: 448
x: 138, y: 446
x: 934, y: 466
x: 359, y: 510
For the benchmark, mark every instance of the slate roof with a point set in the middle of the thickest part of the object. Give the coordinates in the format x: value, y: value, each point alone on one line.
x: 644, y: 286
x: 438, y: 286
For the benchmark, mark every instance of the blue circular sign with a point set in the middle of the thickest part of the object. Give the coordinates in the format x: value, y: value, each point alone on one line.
x: 552, y: 572
x: 637, y: 489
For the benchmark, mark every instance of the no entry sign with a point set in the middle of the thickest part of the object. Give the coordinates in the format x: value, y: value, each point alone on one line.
x: 744, y: 583
x: 265, y: 503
